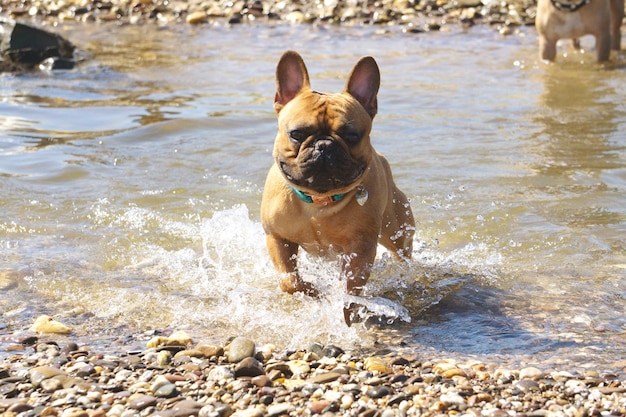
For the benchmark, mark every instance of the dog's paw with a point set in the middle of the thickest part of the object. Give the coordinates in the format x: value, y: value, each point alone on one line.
x: 351, y: 313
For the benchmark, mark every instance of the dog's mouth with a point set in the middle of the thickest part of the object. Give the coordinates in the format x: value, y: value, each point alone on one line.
x: 321, y: 180
x: 321, y: 183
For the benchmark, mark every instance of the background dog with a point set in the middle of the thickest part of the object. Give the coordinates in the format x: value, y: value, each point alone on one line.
x: 571, y: 19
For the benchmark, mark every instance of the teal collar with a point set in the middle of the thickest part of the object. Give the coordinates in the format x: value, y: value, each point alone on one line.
x: 314, y: 199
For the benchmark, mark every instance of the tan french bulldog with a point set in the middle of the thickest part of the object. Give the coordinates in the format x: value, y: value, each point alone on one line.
x: 328, y: 191
x: 571, y: 19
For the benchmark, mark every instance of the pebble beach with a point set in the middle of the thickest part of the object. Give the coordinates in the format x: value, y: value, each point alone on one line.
x: 173, y: 375
x: 413, y: 16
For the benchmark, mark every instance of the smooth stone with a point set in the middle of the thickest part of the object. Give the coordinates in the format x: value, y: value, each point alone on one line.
x: 249, y: 367
x: 166, y: 391
x: 449, y: 373
x: 395, y: 400
x: 8, y: 390
x: 375, y: 363
x: 282, y: 367
x: 49, y: 411
x: 158, y: 382
x: 299, y: 367
x: 216, y: 410
x: 142, y: 402
x: 220, y: 373
x: 378, y: 391
x: 164, y: 413
x: 527, y: 385
x: 342, y: 369
x: 164, y: 358
x: 186, y: 404
x: 310, y: 388
x: 279, y: 410
x: 192, y: 353
x: 178, y: 338
x: 40, y: 373
x: 452, y: 398
x: 316, y: 348
x: 196, y: 18
x: 323, y: 377
x: 318, y: 406
x: 86, y: 371
x: 530, y: 373
x: 398, y: 378
x: 250, y: 412
x: 399, y: 361
x: 19, y: 407
x: 333, y: 351
x: 46, y: 324
x: 209, y: 350
x: 74, y: 412
x: 51, y: 384
x: 261, y: 381
x: 370, y: 412
x: 240, y: 348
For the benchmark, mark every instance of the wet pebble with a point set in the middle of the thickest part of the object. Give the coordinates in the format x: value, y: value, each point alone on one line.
x: 526, y: 385
x: 240, y: 348
x: 249, y: 366
x: 378, y: 391
x: 142, y: 402
x: 41, y: 373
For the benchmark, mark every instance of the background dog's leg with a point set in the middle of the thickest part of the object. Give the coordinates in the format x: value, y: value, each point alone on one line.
x: 617, y: 16
x: 603, y: 45
x: 547, y: 49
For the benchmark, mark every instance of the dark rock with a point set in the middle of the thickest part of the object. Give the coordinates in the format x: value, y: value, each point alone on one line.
x: 27, y: 46
x: 316, y: 348
x: 333, y: 351
x: 398, y: 399
x: 166, y: 391
x: 378, y: 391
x: 249, y: 367
x: 8, y: 390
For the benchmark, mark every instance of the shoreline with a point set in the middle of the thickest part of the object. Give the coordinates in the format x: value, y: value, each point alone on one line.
x: 172, y: 375
x: 414, y: 16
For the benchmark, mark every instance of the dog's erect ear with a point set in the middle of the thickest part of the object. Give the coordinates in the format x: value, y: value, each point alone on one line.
x: 363, y: 84
x: 291, y: 78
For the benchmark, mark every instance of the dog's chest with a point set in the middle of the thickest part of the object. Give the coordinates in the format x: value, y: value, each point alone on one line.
x: 571, y: 25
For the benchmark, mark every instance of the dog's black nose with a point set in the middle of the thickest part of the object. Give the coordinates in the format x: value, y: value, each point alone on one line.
x: 325, y: 147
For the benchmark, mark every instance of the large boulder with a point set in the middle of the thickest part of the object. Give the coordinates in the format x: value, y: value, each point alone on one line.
x: 26, y: 47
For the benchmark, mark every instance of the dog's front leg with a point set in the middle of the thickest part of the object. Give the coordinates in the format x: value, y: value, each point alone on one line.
x: 356, y: 270
x: 283, y: 254
x: 547, y: 48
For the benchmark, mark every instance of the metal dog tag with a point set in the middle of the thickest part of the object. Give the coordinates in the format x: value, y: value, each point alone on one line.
x: 361, y: 195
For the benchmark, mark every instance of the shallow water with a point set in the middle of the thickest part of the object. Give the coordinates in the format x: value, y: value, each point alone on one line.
x: 130, y: 191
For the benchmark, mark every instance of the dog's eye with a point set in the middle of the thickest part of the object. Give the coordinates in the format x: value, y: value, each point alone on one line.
x: 297, y: 136
x: 351, y: 137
